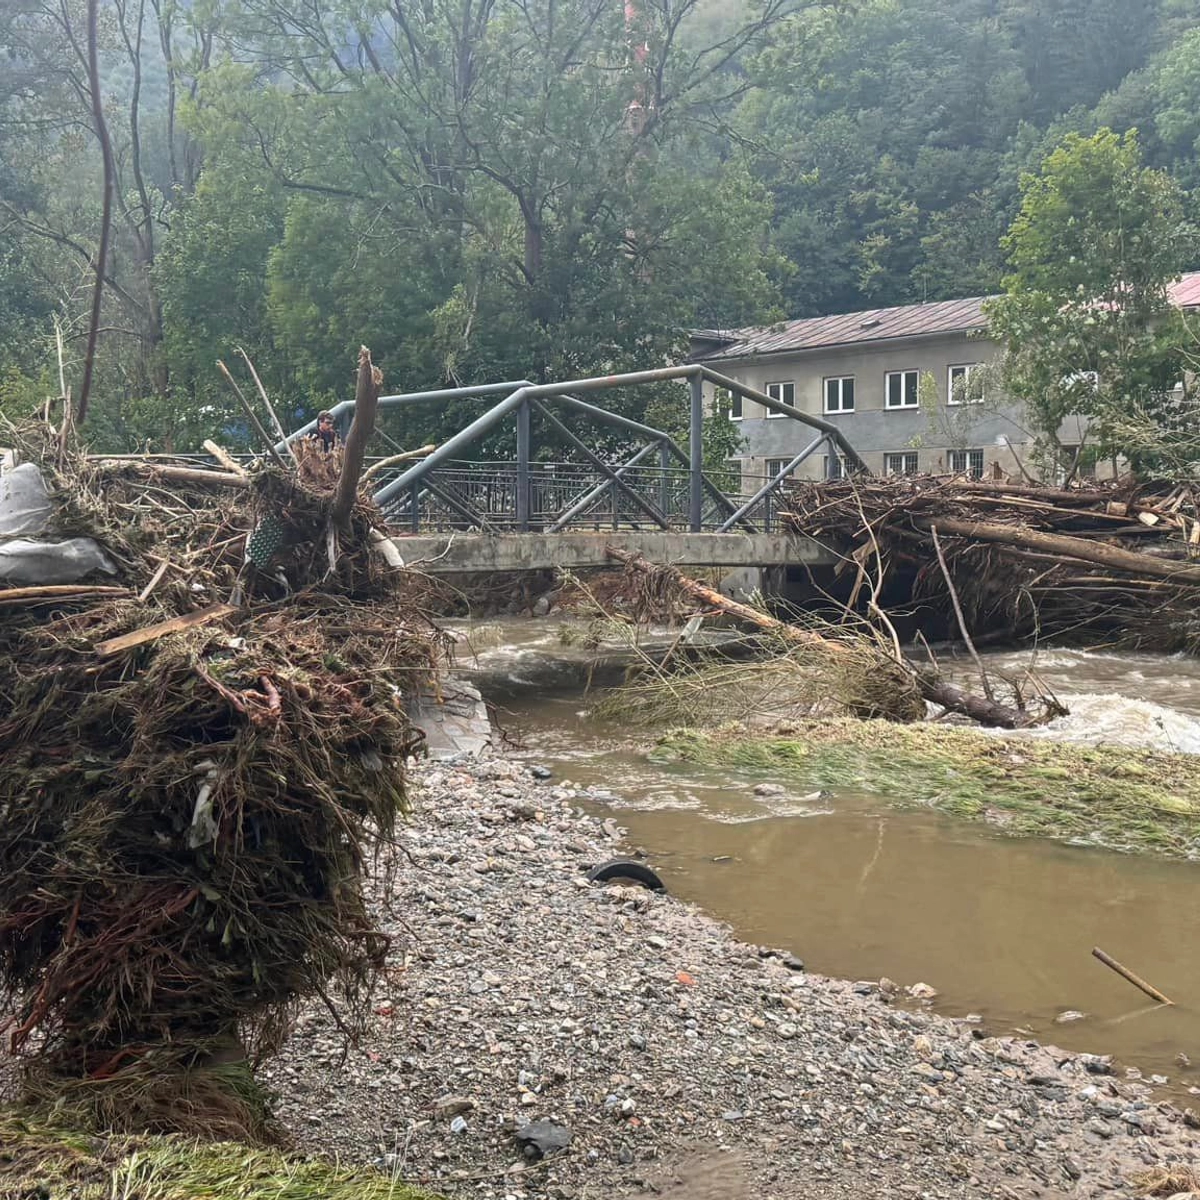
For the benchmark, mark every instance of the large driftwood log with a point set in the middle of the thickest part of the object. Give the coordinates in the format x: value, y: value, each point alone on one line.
x: 173, y: 474
x: 1064, y: 545
x: 931, y: 687
x: 366, y: 406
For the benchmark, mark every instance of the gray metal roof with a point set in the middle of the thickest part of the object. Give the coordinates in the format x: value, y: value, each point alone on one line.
x: 845, y: 329
x: 877, y: 325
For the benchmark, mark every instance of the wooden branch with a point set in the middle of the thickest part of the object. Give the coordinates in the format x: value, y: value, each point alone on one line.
x: 262, y: 391
x: 1059, y: 495
x: 1126, y: 973
x: 57, y: 591
x: 247, y: 408
x: 152, y: 633
x: 396, y: 459
x: 366, y: 406
x: 223, y: 457
x: 958, y: 612
x: 1073, y: 547
x: 978, y: 708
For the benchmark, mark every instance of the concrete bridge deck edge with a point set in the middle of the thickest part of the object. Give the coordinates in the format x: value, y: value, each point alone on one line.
x: 465, y: 553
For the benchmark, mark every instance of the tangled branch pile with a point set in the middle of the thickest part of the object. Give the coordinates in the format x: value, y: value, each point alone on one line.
x: 189, y: 787
x: 1117, y: 563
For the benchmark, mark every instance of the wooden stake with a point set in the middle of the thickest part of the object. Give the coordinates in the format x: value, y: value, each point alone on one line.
x: 1126, y: 973
x: 262, y: 391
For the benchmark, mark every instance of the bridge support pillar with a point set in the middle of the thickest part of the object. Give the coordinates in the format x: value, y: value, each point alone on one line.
x: 524, y: 437
x: 696, y: 455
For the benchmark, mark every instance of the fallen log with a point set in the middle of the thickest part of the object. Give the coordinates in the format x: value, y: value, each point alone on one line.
x: 174, y: 474
x: 1061, y: 544
x: 931, y: 687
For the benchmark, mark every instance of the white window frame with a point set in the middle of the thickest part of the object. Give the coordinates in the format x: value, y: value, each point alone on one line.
x: 735, y: 399
x: 904, y: 455
x: 968, y: 369
x: 841, y: 381
x: 781, y: 462
x: 966, y: 468
x: 903, y: 406
x: 779, y: 386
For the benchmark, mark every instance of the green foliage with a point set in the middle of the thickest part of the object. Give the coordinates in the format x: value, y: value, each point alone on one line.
x: 1086, y: 318
x: 502, y: 190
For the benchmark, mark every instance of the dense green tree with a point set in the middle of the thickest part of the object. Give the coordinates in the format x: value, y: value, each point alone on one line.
x: 1086, y: 318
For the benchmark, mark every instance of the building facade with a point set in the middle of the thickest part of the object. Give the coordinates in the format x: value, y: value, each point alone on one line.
x: 914, y: 390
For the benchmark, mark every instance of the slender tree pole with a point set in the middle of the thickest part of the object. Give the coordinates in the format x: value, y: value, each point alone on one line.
x: 89, y: 360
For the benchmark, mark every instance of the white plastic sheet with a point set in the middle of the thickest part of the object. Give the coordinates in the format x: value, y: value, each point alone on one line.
x: 28, y: 562
x: 24, y: 503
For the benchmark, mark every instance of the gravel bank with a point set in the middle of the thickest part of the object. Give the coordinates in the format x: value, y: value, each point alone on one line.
x: 683, y: 1062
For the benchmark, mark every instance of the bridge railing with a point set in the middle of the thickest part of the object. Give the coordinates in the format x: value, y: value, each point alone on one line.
x: 482, y: 496
x: 661, y: 485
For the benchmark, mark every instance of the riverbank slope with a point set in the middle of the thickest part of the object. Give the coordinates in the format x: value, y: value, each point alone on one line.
x: 678, y: 1058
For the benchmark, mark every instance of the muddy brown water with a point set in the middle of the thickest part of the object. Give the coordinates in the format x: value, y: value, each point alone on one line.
x: 1003, y: 928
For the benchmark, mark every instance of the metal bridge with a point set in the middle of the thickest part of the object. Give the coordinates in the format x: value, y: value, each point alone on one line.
x: 458, y: 514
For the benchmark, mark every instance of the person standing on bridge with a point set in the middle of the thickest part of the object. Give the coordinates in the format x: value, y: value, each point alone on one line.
x: 325, y: 433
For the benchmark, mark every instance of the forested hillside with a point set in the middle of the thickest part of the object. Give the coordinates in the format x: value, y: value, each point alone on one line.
x: 505, y: 189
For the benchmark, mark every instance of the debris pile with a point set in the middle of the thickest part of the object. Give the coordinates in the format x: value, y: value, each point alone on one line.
x: 192, y: 772
x: 1115, y: 563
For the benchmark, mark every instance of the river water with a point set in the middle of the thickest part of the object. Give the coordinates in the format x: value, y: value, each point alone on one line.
x: 1003, y: 928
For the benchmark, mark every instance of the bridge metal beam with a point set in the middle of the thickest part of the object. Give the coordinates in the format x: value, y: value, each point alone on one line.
x: 617, y: 482
x: 585, y: 502
x: 774, y: 484
x: 344, y: 407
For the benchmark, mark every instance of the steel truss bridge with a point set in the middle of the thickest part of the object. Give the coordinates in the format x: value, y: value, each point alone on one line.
x: 528, y: 513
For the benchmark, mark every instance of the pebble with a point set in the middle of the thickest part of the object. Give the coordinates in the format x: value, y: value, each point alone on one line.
x: 632, y: 1026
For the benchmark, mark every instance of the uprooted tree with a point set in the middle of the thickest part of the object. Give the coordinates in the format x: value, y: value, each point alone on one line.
x: 191, y: 772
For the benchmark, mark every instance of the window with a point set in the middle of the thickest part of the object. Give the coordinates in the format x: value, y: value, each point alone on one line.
x: 775, y: 466
x: 904, y: 463
x: 839, y: 394
x: 966, y: 384
x: 1086, y: 468
x: 901, y: 389
x: 967, y: 462
x: 730, y: 402
x: 834, y: 466
x: 785, y: 393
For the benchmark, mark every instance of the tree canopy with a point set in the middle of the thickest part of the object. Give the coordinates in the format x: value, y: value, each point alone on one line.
x: 490, y: 189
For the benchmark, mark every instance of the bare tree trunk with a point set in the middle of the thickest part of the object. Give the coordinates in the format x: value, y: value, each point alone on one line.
x: 366, y: 406
x: 89, y: 360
